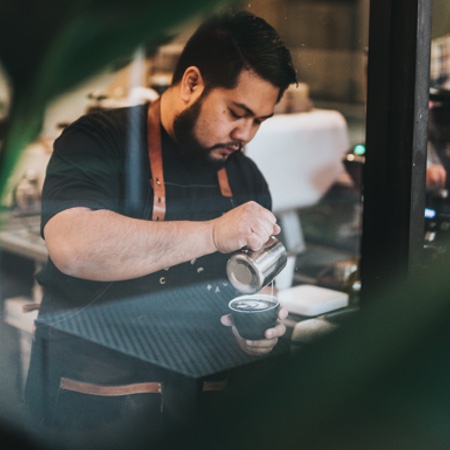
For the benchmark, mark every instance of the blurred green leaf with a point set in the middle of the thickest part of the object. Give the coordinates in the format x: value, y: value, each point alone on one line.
x: 48, y: 47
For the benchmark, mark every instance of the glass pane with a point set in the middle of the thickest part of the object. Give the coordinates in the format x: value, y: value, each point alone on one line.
x: 320, y: 168
x: 438, y: 157
x: 311, y: 153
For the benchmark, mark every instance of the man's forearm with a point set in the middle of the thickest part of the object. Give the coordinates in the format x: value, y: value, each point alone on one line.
x: 106, y: 246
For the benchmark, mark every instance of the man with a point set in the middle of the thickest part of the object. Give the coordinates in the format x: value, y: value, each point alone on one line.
x: 205, y: 200
x: 436, y: 172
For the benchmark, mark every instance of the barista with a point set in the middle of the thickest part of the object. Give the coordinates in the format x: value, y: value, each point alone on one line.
x: 200, y: 199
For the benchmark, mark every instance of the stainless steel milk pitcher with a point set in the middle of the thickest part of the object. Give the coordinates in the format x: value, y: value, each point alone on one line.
x: 249, y: 271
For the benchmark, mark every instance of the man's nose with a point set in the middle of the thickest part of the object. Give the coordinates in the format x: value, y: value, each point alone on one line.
x: 244, y: 132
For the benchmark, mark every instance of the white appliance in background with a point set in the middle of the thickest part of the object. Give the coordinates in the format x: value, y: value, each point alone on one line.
x: 300, y: 155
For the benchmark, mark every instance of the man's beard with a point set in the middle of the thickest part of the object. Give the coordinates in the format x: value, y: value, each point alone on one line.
x: 190, y: 147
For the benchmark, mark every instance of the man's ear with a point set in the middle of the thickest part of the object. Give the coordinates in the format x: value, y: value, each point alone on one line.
x: 192, y: 84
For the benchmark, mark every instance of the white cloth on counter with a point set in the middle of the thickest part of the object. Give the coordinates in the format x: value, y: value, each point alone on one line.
x: 309, y: 300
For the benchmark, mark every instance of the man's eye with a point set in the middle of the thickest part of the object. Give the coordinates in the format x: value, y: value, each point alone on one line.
x: 235, y: 114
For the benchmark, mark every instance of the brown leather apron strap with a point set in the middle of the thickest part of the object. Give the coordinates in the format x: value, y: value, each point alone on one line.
x: 224, y: 185
x: 82, y: 387
x: 213, y: 386
x: 156, y: 164
x: 155, y: 157
x: 109, y: 391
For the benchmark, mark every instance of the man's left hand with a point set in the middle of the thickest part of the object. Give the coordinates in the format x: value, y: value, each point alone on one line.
x: 263, y: 346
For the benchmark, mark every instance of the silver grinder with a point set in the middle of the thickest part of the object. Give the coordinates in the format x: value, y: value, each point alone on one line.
x: 249, y: 271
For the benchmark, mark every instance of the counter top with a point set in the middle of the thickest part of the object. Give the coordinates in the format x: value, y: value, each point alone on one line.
x: 178, y: 329
x: 20, y: 235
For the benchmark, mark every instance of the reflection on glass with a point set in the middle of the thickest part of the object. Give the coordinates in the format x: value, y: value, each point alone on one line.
x: 438, y: 149
x: 322, y: 169
x: 310, y: 152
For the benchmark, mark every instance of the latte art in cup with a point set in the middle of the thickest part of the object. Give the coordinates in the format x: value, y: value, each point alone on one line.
x: 252, y: 305
x: 254, y: 314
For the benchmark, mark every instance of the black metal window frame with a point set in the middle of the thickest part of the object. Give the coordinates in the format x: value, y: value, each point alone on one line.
x: 396, y: 137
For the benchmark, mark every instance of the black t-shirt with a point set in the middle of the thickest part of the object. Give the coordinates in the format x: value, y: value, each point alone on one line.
x: 87, y: 169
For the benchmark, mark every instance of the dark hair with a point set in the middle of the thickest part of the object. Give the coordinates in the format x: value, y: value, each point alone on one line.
x: 226, y: 44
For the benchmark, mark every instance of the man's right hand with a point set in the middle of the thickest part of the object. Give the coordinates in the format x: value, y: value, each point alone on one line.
x: 249, y: 225
x: 102, y: 245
